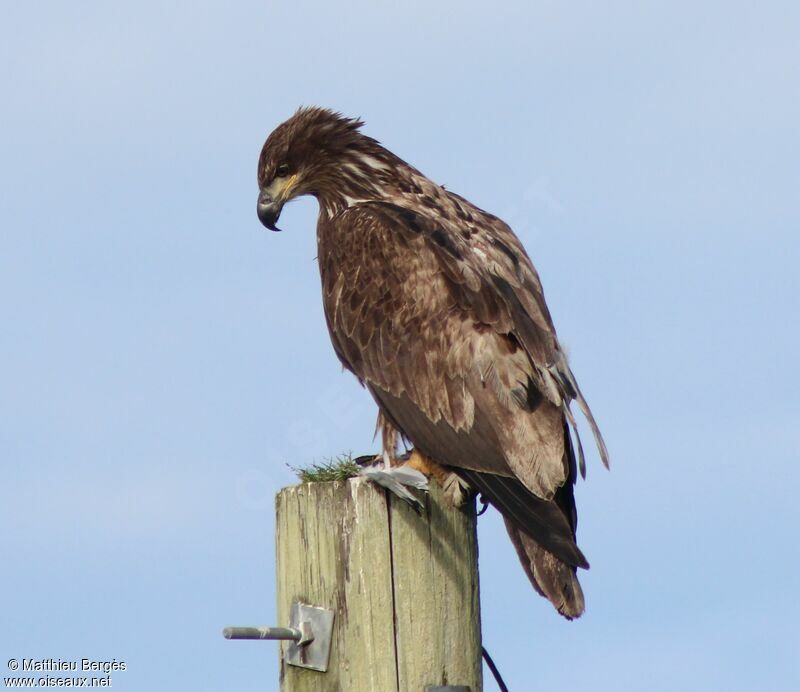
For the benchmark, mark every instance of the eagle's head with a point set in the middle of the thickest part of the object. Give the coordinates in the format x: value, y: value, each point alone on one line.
x: 321, y: 153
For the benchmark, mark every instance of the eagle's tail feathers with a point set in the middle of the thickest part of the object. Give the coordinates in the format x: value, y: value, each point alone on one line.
x: 552, y: 578
x: 543, y: 534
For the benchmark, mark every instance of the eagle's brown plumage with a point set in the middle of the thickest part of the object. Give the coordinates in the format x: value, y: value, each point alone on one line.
x: 435, y: 306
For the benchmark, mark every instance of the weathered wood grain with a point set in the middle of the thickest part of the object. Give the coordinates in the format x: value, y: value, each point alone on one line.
x: 437, y: 608
x: 404, y: 587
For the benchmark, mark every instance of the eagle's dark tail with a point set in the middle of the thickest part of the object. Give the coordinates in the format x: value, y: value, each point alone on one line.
x: 555, y: 580
x: 543, y: 533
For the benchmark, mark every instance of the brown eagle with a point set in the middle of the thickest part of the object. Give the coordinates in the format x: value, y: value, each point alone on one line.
x: 436, y: 308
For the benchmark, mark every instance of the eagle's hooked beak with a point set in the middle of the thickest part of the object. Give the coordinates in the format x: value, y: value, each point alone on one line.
x: 268, y: 210
x: 271, y: 200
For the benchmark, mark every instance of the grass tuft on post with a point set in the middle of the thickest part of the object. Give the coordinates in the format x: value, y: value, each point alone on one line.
x: 339, y: 468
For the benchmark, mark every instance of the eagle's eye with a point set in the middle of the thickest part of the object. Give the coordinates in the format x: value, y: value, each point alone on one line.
x: 282, y: 171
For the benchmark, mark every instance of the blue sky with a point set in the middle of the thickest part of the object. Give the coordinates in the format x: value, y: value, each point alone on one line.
x: 163, y: 357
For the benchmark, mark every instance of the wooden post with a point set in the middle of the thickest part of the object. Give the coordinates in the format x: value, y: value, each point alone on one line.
x: 403, y: 586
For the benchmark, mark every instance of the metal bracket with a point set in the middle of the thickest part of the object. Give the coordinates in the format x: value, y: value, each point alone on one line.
x: 318, y: 622
x: 309, y: 635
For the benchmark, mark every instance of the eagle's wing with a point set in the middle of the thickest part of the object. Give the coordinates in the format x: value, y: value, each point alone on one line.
x: 443, y: 318
x: 454, y: 319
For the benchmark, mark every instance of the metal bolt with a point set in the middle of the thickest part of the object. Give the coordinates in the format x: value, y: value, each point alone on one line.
x: 302, y: 636
x: 310, y: 634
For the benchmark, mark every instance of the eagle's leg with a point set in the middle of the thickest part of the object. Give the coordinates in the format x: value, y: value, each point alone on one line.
x: 389, y: 437
x: 456, y: 491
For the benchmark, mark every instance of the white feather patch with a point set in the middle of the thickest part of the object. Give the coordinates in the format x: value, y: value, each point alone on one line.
x: 398, y: 480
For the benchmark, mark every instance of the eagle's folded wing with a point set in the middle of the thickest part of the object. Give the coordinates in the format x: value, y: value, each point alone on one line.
x: 454, y: 322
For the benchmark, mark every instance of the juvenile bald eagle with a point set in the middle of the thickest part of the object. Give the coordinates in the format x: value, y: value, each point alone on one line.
x: 436, y: 308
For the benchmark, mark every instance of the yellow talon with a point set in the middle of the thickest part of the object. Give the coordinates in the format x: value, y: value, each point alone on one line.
x: 428, y: 466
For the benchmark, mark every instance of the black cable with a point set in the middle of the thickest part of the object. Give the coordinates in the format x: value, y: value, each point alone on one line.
x: 486, y: 657
x: 493, y: 668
